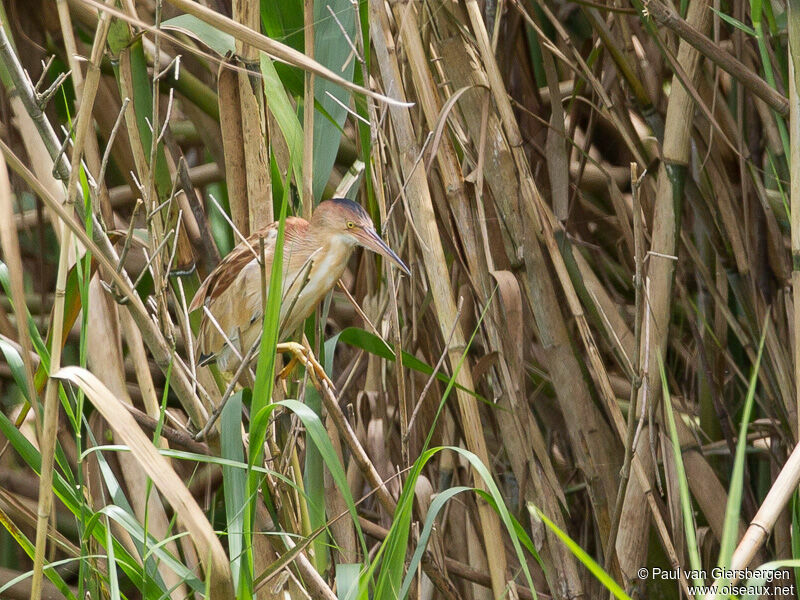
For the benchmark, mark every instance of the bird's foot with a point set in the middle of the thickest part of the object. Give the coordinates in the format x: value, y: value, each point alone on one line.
x: 284, y: 373
x: 302, y: 353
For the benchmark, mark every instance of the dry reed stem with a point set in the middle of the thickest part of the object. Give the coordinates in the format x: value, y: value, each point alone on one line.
x: 421, y: 208
x: 664, y: 14
x: 230, y: 113
x: 517, y: 425
x: 49, y: 422
x: 253, y: 124
x: 598, y: 453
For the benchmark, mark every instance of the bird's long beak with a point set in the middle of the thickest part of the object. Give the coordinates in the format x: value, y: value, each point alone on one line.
x: 370, y: 239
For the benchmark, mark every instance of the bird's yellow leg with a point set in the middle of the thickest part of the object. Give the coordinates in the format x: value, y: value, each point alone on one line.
x: 302, y: 353
x: 284, y: 373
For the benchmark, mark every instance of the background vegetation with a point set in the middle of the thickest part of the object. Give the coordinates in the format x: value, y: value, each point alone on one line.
x: 592, y: 369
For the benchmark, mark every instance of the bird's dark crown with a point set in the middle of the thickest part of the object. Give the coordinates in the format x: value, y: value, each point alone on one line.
x: 347, y: 204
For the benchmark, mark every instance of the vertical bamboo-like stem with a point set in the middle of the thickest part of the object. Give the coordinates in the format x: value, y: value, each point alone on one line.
x: 49, y: 428
x: 50, y: 418
x: 665, y: 235
x: 421, y: 207
x: 230, y: 121
x: 638, y: 258
x: 308, y: 114
x: 794, y: 165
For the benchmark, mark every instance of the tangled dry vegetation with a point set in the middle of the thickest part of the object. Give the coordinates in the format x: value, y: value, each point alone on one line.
x: 600, y: 209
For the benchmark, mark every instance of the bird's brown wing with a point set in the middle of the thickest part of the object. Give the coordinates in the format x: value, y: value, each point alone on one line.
x: 237, y: 259
x: 232, y: 293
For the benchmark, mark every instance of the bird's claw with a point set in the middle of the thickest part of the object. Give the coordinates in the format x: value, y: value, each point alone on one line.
x: 302, y: 353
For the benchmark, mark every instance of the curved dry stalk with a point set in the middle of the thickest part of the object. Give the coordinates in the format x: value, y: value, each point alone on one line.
x: 191, y: 516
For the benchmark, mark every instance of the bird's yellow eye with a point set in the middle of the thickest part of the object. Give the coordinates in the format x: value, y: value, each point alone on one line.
x: 350, y: 224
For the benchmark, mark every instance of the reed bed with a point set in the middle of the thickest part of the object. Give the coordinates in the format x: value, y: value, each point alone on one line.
x: 588, y: 380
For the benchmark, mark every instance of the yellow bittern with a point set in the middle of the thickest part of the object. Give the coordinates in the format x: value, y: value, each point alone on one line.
x: 315, y: 255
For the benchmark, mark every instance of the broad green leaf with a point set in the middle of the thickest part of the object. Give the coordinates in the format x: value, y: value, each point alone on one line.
x: 371, y: 343
x: 220, y: 42
x: 234, y: 481
x: 347, y: 580
x: 285, y: 115
x: 334, y: 24
x: 284, y: 21
x: 14, y: 362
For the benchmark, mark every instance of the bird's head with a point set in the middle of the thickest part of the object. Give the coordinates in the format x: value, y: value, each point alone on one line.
x: 351, y: 223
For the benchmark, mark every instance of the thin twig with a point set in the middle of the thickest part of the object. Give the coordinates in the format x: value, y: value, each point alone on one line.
x: 636, y: 375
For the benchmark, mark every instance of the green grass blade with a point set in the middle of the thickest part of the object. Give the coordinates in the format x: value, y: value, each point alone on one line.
x: 285, y: 115
x: 262, y: 392
x: 683, y: 484
x: 730, y: 530
x: 596, y: 570
x: 319, y: 435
